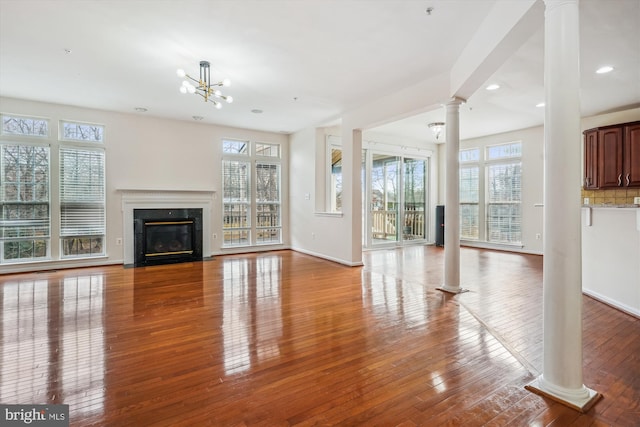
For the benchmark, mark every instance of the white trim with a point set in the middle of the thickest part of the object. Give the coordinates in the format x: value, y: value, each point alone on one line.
x: 613, y: 303
x: 328, y: 258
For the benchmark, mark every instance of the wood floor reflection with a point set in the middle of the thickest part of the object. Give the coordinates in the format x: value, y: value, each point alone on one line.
x: 284, y: 339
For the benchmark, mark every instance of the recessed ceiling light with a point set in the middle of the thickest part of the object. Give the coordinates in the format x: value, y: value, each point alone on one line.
x: 141, y: 109
x: 605, y: 69
x: 493, y: 87
x: 256, y: 111
x: 540, y: 104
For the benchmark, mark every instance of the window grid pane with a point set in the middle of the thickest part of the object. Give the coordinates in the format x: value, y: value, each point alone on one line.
x: 469, y: 198
x: 236, y: 221
x: 26, y: 126
x: 267, y: 150
x: 268, y: 203
x: 72, y: 131
x: 230, y: 146
x: 469, y: 221
x: 504, y: 223
x: 24, y: 202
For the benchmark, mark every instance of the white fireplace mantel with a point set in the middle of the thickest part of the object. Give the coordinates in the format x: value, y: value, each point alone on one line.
x: 164, y: 199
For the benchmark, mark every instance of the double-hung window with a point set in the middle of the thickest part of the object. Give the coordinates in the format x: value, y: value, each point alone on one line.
x: 82, y: 190
x: 469, y: 193
x: 504, y: 193
x: 82, y: 202
x: 25, y: 202
x: 252, y: 211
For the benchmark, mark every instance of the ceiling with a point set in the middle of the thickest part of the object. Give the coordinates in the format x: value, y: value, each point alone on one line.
x: 301, y: 62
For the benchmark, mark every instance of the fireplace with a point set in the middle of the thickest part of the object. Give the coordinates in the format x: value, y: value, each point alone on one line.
x: 163, y: 236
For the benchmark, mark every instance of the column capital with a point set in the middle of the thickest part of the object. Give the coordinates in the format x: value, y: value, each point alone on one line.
x: 455, y: 101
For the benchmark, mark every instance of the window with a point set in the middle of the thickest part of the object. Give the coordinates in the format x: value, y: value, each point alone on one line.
x: 251, y: 194
x: 334, y: 182
x: 236, y: 227
x: 504, y: 193
x: 24, y: 126
x: 469, y: 198
x: 469, y: 194
x: 268, y: 203
x: 73, y: 131
x: 24, y: 202
x: 82, y: 202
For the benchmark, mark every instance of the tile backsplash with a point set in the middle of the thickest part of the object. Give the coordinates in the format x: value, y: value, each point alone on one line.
x: 611, y: 196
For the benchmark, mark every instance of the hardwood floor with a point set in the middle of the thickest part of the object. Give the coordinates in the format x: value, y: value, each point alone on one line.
x: 282, y: 338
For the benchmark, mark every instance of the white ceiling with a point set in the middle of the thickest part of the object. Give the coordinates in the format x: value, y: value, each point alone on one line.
x: 302, y: 62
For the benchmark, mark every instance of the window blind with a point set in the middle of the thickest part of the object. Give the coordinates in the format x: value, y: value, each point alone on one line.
x: 82, y: 192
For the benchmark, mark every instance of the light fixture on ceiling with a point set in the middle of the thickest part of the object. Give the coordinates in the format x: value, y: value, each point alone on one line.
x: 604, y: 70
x: 493, y: 86
x: 204, y: 87
x: 437, y: 128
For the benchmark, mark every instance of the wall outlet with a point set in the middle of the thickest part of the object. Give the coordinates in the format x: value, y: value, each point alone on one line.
x: 538, y: 236
x: 636, y: 200
x: 586, y: 201
x: 215, y: 236
x: 119, y: 241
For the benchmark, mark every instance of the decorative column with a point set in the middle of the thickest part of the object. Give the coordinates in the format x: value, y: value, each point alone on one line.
x: 561, y: 377
x: 452, y: 199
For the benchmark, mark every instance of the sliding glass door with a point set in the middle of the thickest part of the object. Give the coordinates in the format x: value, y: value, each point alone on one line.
x: 397, y: 199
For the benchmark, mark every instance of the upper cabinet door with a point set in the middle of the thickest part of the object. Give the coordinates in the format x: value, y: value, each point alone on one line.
x: 590, y: 160
x: 610, y: 158
x: 631, y: 176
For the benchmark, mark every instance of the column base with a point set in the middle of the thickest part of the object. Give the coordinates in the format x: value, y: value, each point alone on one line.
x: 581, y: 401
x: 452, y: 290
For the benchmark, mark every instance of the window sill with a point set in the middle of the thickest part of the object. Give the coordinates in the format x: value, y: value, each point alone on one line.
x: 330, y: 214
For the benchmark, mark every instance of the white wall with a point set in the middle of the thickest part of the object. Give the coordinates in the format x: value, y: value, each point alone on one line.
x: 611, y: 256
x: 144, y: 152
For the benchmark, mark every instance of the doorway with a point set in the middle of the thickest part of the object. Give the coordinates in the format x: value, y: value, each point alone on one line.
x: 395, y: 205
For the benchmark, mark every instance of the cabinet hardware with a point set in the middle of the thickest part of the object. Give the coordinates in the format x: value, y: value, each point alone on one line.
x: 620, y: 180
x: 628, y: 180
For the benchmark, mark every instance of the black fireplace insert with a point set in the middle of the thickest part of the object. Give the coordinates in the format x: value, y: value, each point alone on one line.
x: 163, y: 236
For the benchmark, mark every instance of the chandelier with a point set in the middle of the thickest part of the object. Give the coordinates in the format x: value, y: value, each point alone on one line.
x: 203, y: 87
x: 437, y: 128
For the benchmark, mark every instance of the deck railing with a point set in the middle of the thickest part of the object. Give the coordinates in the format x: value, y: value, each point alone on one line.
x: 384, y: 225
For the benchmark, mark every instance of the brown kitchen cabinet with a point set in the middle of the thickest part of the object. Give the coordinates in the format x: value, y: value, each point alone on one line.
x: 590, y: 160
x: 632, y: 155
x: 612, y: 156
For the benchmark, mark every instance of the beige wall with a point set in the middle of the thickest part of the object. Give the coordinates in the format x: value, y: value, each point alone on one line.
x: 144, y: 152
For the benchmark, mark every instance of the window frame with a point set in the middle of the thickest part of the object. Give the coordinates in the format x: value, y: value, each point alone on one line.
x: 47, y: 237
x: 333, y: 182
x: 510, y: 159
x: 93, y: 238
x: 470, y: 162
x: 252, y: 231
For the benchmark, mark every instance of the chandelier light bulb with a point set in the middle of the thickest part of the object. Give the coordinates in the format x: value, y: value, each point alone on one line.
x: 203, y: 86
